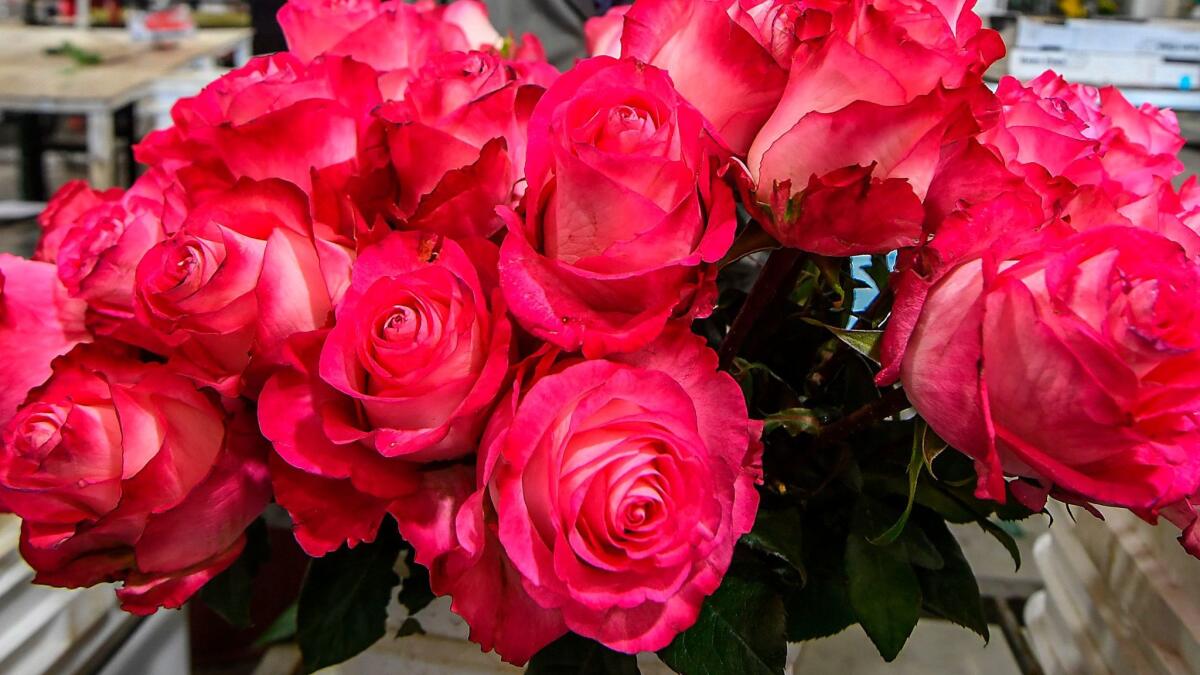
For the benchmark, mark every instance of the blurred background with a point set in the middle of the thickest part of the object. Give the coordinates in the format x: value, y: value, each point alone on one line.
x: 81, y: 82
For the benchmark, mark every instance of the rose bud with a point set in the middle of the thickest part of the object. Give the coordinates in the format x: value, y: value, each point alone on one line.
x: 609, y: 496
x: 624, y: 214
x: 408, y: 373
x: 124, y: 471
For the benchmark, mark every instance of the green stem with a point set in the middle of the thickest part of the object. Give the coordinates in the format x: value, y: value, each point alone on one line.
x: 777, y: 276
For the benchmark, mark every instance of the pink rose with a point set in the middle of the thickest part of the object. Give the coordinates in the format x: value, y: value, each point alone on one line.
x: 471, y: 17
x: 603, y: 33
x: 624, y: 215
x: 1097, y: 332
x: 876, y: 90
x: 407, y: 374
x: 124, y: 471
x: 66, y: 206
x: 242, y: 274
x: 313, y: 27
x: 609, y: 496
x: 411, y: 31
x: 38, y: 321
x: 1052, y: 129
x: 277, y: 117
x: 717, y: 64
x: 457, y: 142
x: 780, y: 26
x: 100, y: 251
x: 1163, y: 210
x: 399, y: 37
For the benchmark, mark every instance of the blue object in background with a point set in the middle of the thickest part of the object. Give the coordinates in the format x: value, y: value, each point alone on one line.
x: 858, y: 269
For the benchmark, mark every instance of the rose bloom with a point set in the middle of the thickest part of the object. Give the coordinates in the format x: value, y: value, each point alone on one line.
x: 1052, y: 129
x: 62, y: 212
x: 609, y: 496
x: 407, y: 374
x: 275, y: 117
x: 38, y: 321
x: 1096, y: 332
x: 242, y: 274
x: 624, y: 214
x: 315, y: 27
x: 457, y: 141
x: 843, y: 170
x: 99, y: 252
x: 395, y: 38
x: 124, y: 471
x: 603, y: 33
x: 1164, y: 210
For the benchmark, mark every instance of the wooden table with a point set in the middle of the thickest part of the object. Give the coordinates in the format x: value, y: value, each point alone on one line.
x: 32, y: 81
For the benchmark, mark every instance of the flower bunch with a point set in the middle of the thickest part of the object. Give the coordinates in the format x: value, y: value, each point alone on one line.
x: 407, y: 277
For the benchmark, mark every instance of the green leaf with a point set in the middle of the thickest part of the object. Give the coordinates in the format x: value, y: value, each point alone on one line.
x: 865, y: 342
x: 575, y: 655
x: 795, y: 421
x: 282, y: 629
x: 740, y: 631
x: 931, y: 447
x: 747, y: 373
x: 919, y: 550
x: 343, y: 605
x: 957, y: 506
x: 980, y: 512
x: 1006, y: 540
x: 952, y: 591
x: 884, y: 590
x: 820, y: 609
x: 914, y: 474
x: 415, y: 593
x: 911, y: 545
x: 777, y: 533
x: 230, y: 592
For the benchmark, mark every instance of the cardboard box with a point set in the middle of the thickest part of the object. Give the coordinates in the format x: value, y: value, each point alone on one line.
x: 1101, y: 68
x: 1172, y: 39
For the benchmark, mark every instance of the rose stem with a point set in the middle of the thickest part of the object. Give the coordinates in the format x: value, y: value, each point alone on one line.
x: 772, y: 280
x: 891, y: 402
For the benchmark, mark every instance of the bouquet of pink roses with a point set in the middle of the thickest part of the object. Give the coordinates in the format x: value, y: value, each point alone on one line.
x: 621, y: 359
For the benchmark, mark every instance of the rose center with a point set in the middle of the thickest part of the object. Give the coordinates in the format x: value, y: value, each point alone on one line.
x: 1153, y: 309
x: 785, y: 29
x: 638, y: 513
x: 472, y: 66
x: 35, y: 435
x: 627, y: 129
x: 400, y: 324
x: 180, y: 266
